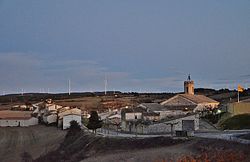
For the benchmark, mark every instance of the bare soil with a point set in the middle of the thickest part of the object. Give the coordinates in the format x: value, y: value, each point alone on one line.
x: 194, y: 150
x: 36, y: 140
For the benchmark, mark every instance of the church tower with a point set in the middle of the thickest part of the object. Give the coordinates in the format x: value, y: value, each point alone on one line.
x: 189, y: 86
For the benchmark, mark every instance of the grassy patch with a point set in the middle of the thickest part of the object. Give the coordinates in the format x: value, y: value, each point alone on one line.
x: 237, y: 122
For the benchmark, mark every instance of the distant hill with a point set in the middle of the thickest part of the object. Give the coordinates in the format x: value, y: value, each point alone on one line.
x: 222, y: 95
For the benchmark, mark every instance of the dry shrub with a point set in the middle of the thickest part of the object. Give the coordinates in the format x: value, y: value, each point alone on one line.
x: 215, y: 156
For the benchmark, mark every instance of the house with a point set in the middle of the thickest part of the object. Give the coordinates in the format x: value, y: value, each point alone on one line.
x: 189, y: 101
x: 130, y: 116
x: 236, y: 108
x: 17, y: 118
x: 162, y: 110
x: 65, y: 117
x: 70, y: 117
x: 27, y: 107
x: 150, y: 116
x: 50, y: 118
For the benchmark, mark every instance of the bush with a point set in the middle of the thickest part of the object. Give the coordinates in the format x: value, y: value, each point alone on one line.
x: 73, y: 129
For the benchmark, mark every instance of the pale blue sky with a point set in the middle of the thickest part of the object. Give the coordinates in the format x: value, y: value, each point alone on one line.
x: 141, y: 45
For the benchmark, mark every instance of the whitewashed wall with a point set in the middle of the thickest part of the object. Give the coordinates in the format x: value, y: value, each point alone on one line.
x: 15, y: 123
x: 164, y: 127
x: 52, y: 118
x: 68, y: 118
x: 131, y: 116
x: 167, y: 113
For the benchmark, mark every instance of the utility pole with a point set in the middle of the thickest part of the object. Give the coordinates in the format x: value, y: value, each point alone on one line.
x: 238, y: 96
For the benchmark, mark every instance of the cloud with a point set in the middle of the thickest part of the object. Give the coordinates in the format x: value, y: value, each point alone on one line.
x: 32, y: 73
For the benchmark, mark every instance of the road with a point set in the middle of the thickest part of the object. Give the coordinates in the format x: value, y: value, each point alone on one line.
x: 206, y: 130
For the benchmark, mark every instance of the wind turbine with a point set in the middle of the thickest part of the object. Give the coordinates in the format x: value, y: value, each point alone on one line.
x: 69, y: 86
x: 105, y: 84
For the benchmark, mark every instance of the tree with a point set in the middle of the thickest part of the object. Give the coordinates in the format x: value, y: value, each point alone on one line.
x: 94, y: 121
x: 73, y: 129
x: 74, y: 126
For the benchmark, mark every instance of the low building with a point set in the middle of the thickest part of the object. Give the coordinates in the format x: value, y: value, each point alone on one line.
x: 50, y: 119
x: 237, y: 108
x: 132, y: 114
x: 137, y: 115
x: 70, y: 117
x: 17, y: 118
x: 162, y: 110
x: 28, y: 107
x: 65, y: 117
x: 186, y: 123
x: 151, y: 116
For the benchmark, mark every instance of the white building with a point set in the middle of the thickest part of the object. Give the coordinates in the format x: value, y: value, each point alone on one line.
x: 68, y: 118
x: 50, y: 118
x: 15, y: 122
x: 17, y: 118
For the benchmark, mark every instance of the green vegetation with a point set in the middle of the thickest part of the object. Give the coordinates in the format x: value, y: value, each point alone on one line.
x: 237, y: 122
x: 94, y: 121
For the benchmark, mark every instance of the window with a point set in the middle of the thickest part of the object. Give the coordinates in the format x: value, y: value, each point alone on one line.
x: 135, y: 116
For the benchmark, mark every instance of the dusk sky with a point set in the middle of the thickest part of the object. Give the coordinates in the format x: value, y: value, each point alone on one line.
x: 140, y: 45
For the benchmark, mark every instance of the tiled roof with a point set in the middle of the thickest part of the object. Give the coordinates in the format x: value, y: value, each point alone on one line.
x: 134, y: 109
x: 151, y: 114
x: 153, y: 106
x: 198, y: 98
x: 16, y: 118
x: 187, y: 100
x: 15, y: 115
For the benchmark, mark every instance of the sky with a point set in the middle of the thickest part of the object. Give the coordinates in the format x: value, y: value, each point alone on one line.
x: 139, y: 45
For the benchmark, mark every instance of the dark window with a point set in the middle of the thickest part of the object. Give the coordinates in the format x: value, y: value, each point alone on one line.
x: 135, y: 116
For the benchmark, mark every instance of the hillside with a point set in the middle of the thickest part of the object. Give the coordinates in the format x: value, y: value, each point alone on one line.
x: 237, y: 122
x: 84, y: 145
x: 90, y: 148
x: 33, y: 140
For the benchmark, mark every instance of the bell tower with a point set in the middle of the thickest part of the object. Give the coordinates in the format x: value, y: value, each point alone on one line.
x: 189, y: 86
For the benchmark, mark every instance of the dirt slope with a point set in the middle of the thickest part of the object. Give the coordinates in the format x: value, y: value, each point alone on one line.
x: 35, y: 140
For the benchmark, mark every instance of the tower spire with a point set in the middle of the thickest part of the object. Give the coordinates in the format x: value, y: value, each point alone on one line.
x: 189, y: 77
x: 189, y: 86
